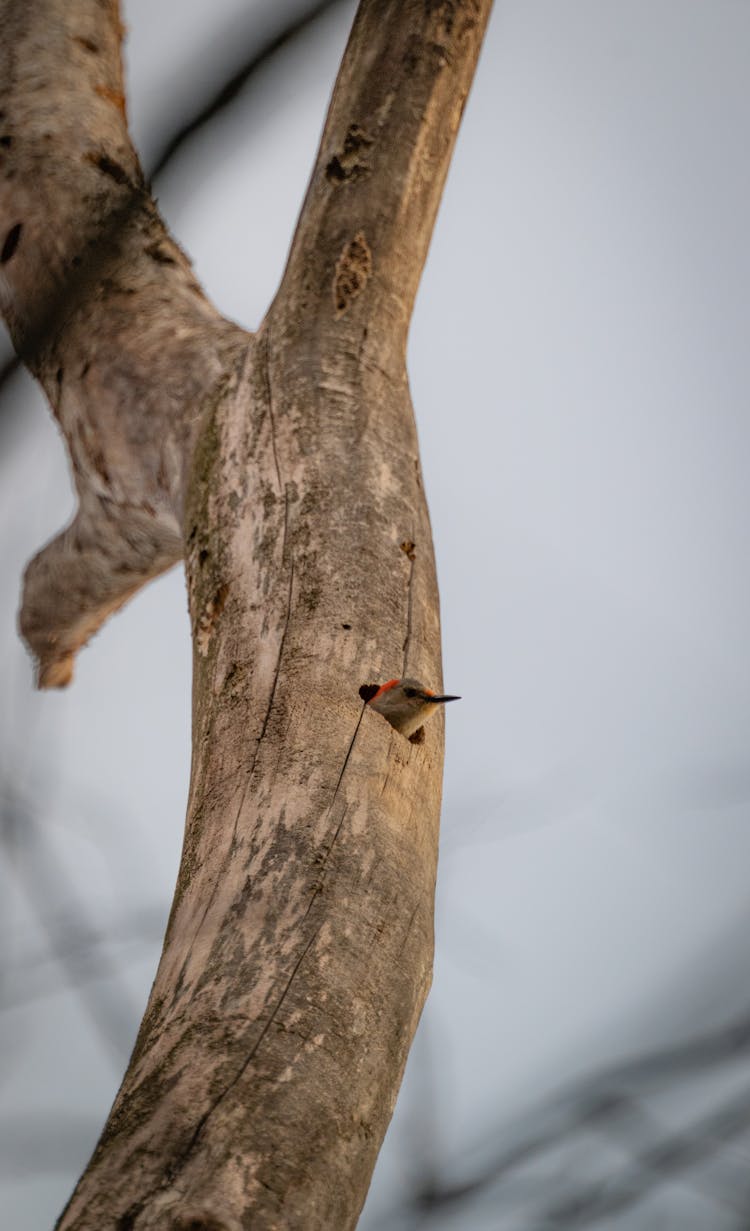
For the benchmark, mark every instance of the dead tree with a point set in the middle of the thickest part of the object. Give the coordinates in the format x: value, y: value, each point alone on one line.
x: 283, y: 466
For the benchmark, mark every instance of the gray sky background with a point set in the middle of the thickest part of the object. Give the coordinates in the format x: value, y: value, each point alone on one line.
x: 579, y: 366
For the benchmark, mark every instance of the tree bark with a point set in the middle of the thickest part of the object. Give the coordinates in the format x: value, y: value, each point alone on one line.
x: 299, y: 948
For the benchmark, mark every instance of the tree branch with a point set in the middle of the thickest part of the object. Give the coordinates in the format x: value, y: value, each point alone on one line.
x: 299, y: 948
x: 104, y: 309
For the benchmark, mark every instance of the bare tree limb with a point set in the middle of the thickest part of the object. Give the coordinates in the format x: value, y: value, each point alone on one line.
x: 228, y: 91
x: 299, y: 949
x: 208, y: 111
x: 103, y: 308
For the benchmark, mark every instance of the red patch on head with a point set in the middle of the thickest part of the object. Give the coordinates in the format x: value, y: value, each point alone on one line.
x: 428, y: 692
x: 383, y: 688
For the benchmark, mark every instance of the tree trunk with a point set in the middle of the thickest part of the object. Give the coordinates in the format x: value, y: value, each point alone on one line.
x: 299, y: 948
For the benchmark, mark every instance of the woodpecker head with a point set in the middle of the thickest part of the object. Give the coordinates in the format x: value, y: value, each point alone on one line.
x: 406, y: 704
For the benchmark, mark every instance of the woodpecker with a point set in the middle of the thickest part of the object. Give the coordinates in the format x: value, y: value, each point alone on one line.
x: 406, y: 704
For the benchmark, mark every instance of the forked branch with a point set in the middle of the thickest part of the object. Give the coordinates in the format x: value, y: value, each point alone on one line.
x: 299, y: 948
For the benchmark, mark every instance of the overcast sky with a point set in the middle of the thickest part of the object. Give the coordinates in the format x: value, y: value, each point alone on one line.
x: 579, y: 367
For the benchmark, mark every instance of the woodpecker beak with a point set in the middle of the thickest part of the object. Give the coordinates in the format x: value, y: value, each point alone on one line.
x: 441, y: 700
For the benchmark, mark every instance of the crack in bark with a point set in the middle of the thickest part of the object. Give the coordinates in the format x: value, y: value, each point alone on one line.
x: 319, y: 887
x: 266, y: 367
x: 346, y: 760
x: 286, y: 525
x: 409, y: 926
x: 409, y: 608
x: 269, y: 707
x: 277, y: 672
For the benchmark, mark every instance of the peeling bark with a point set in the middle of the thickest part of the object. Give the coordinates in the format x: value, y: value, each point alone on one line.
x: 285, y: 466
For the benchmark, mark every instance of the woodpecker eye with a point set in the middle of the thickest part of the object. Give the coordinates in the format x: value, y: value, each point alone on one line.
x: 410, y: 692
